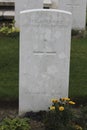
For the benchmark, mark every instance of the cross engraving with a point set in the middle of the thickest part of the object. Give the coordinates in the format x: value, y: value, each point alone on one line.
x: 44, y: 52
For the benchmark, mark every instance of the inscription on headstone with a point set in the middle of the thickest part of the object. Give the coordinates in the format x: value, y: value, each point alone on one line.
x: 77, y: 7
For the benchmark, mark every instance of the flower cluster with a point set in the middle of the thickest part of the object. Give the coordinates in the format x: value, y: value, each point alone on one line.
x: 77, y: 127
x: 60, y: 114
x: 61, y: 103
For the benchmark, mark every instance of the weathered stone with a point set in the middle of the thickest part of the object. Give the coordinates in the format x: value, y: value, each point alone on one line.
x: 44, y: 58
x: 76, y: 7
x: 78, y: 10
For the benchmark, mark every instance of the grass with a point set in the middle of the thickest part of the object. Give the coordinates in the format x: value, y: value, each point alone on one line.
x: 78, y: 69
x: 9, y: 59
x: 9, y: 68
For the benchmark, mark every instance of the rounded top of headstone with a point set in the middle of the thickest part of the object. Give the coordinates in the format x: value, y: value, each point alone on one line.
x: 46, y: 10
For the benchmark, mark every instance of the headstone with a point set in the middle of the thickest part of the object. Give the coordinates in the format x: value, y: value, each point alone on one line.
x: 78, y: 10
x: 45, y: 38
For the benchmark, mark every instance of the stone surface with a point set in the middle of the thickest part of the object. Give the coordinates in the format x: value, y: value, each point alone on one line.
x: 47, y: 3
x: 9, y: 13
x: 77, y: 7
x: 78, y: 10
x: 7, y: 0
x: 21, y: 5
x: 1, y: 13
x: 45, y: 38
x: 31, y: 4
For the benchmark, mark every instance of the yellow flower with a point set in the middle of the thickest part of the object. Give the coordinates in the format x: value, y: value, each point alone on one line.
x: 65, y: 99
x: 61, y: 108
x: 52, y: 108
x: 78, y: 127
x: 71, y: 102
x: 54, y: 100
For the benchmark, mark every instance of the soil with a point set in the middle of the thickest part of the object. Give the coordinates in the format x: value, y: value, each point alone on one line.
x: 8, y: 109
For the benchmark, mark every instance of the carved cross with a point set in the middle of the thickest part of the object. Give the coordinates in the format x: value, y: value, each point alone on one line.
x: 44, y: 52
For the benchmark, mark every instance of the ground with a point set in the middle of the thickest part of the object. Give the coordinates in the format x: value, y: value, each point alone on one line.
x: 10, y: 109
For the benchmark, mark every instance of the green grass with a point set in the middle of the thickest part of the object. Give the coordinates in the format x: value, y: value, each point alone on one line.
x: 78, y: 69
x: 9, y: 68
x: 9, y: 59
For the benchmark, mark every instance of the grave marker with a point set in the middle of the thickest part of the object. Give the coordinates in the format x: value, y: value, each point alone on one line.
x: 44, y: 58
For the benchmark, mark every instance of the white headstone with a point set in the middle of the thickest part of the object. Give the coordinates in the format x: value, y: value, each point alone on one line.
x: 44, y: 58
x: 78, y: 10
